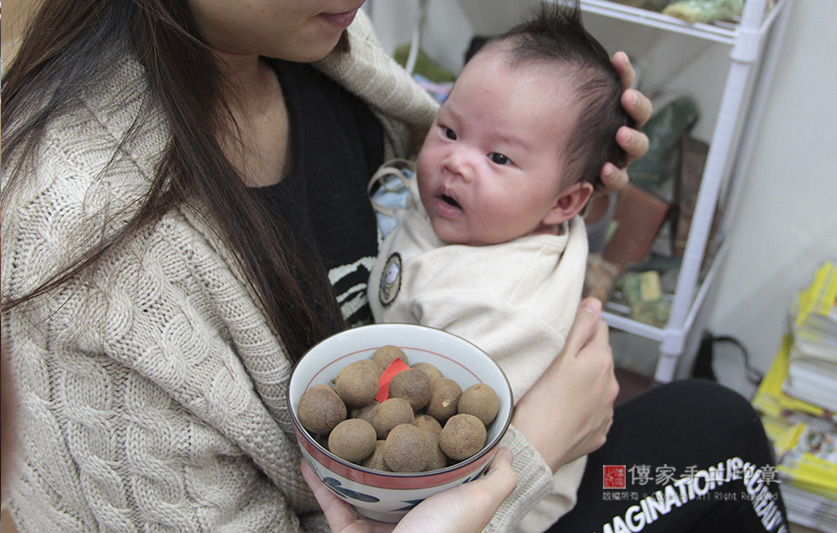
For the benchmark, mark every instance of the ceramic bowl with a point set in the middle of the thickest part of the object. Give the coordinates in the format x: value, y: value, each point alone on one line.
x: 387, y: 496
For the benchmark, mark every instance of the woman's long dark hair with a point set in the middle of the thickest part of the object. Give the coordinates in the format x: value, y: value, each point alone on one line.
x: 71, y: 45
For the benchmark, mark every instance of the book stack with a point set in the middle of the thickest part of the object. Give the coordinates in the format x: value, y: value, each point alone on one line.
x: 812, y: 374
x: 797, y: 401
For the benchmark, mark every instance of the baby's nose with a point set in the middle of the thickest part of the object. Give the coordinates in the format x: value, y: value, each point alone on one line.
x: 461, y: 163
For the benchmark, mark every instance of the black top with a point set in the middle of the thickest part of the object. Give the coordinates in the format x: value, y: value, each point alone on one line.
x: 337, y: 144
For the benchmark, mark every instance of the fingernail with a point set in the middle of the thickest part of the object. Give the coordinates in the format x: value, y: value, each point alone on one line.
x: 591, y: 305
x: 626, y: 136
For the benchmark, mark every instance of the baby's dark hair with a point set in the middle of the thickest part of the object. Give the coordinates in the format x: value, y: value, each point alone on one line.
x: 556, y: 35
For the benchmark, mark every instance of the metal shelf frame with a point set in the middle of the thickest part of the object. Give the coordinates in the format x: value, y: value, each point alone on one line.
x: 722, y: 32
x: 754, y: 42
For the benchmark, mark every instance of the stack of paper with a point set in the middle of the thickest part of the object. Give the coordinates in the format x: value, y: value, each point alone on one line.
x: 812, y: 374
x: 807, y: 464
x: 797, y: 401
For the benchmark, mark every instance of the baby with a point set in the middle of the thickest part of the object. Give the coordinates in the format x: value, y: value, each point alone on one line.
x: 492, y: 247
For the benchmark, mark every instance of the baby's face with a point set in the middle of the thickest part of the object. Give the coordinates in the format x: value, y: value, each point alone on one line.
x: 491, y: 166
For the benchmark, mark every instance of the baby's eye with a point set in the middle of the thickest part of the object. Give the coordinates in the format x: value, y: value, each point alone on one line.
x: 499, y: 159
x: 450, y: 134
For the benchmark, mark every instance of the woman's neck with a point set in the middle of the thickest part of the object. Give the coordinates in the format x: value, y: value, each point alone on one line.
x: 247, y: 80
x: 258, y: 143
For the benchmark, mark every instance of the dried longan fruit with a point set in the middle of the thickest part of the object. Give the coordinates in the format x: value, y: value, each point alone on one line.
x: 481, y: 401
x: 462, y: 437
x: 385, y: 355
x: 357, y: 384
x: 320, y: 409
x: 407, y: 449
x: 391, y: 413
x: 353, y: 440
x: 371, y: 364
x: 412, y: 385
x: 376, y: 460
x: 367, y: 412
x: 429, y: 369
x: 444, y: 399
x: 437, y: 458
x: 428, y: 423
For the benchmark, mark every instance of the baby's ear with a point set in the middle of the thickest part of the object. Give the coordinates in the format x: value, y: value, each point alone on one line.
x: 570, y: 202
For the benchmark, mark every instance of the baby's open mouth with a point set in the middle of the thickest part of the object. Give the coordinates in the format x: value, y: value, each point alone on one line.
x: 450, y: 201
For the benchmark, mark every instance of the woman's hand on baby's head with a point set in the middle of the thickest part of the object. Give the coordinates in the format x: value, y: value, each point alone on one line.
x: 635, y: 103
x: 633, y: 141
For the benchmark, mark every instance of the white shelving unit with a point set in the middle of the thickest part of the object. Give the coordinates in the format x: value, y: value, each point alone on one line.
x: 753, y: 42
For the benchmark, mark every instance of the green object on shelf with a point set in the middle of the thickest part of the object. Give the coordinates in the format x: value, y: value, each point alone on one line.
x: 424, y: 65
x: 654, y: 313
x: 664, y: 130
x: 650, y: 5
x: 705, y: 10
x: 642, y: 291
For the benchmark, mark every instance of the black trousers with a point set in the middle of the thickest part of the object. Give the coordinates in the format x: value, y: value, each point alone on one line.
x: 690, y: 455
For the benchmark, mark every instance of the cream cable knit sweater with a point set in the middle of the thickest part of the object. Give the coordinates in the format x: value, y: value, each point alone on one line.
x: 152, y: 390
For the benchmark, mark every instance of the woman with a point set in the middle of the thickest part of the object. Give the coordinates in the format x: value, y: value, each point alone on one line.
x: 175, y: 215
x: 188, y: 191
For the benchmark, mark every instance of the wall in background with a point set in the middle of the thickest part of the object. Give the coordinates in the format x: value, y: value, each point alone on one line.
x: 786, y: 225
